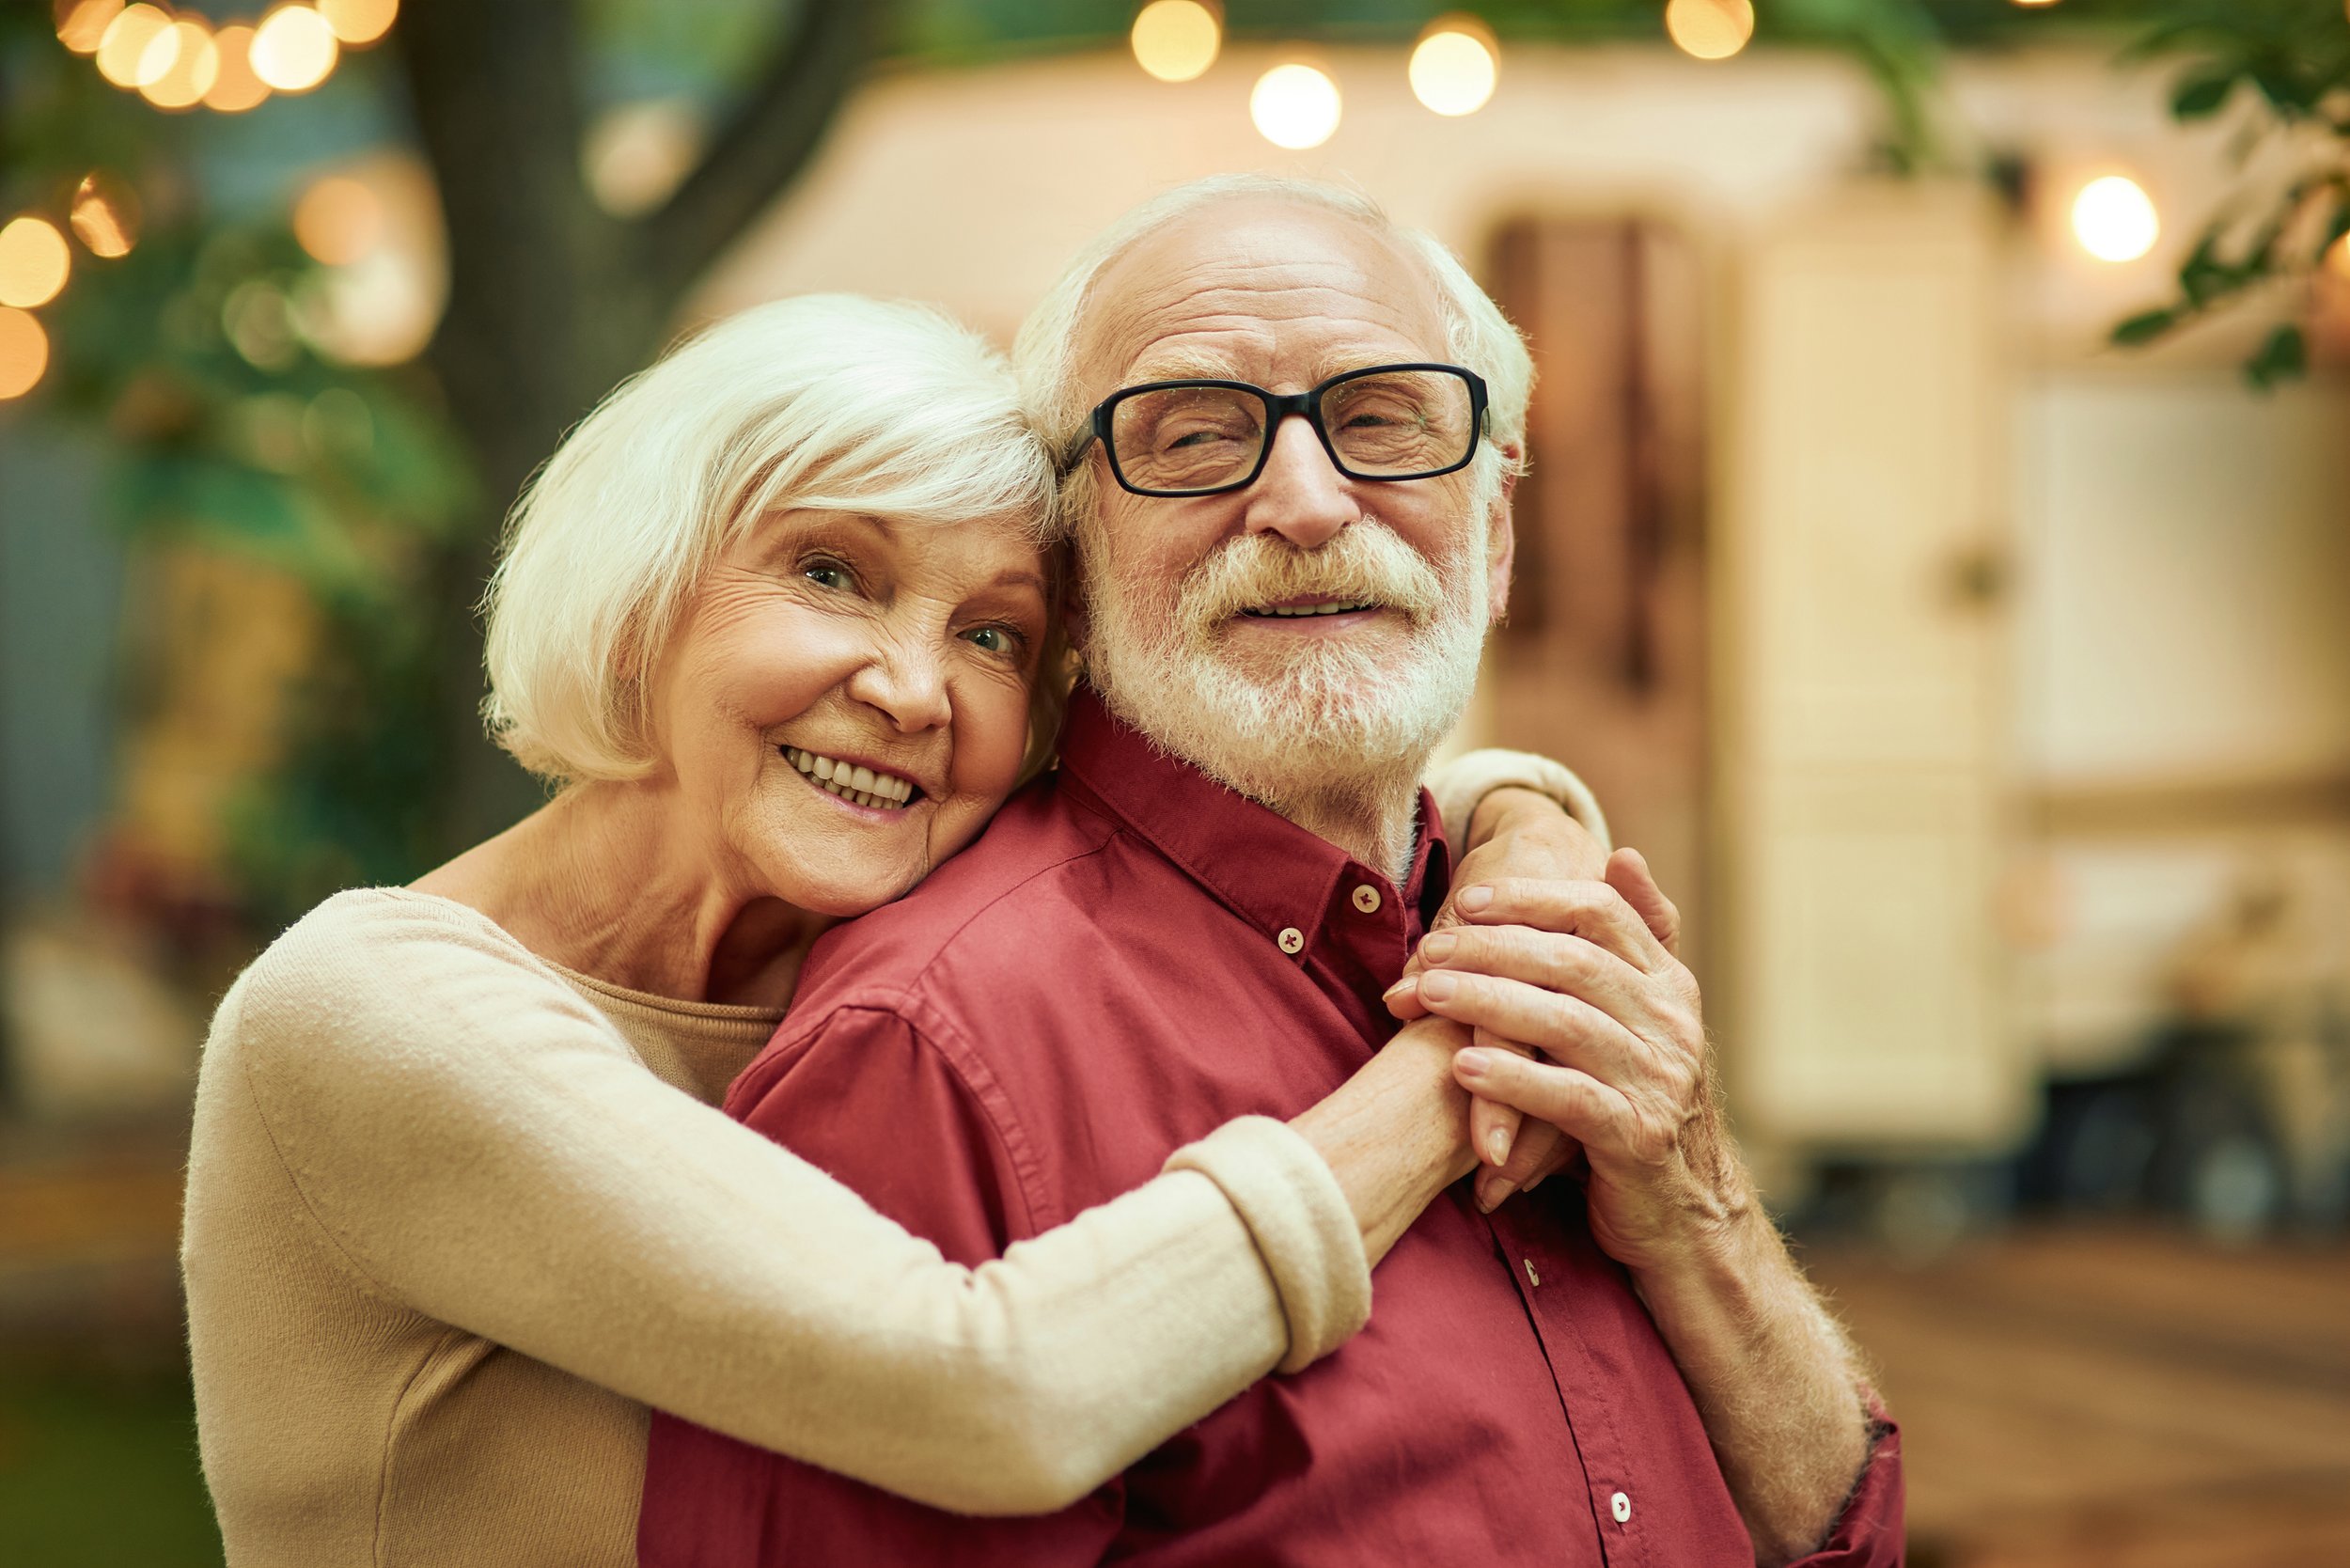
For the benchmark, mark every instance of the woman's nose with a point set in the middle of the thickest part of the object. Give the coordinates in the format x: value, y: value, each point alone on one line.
x: 906, y: 687
x: 1300, y: 495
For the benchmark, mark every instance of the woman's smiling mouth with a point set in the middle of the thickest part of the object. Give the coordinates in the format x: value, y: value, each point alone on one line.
x: 854, y: 782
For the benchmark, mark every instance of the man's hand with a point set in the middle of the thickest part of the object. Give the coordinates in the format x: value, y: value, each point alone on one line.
x: 1515, y: 834
x: 1579, y: 971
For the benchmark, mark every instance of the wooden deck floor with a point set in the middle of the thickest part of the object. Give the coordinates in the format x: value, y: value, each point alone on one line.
x: 2115, y: 1399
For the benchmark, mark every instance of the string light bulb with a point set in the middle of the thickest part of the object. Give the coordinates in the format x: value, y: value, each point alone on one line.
x: 82, y: 24
x: 235, y: 89
x: 356, y: 22
x: 1296, y: 106
x: 293, y: 49
x: 1710, y: 29
x: 105, y: 215
x: 180, y: 66
x: 1455, y: 65
x: 34, y: 262
x: 24, y: 352
x: 2114, y: 219
x: 1176, y: 40
x: 122, y: 49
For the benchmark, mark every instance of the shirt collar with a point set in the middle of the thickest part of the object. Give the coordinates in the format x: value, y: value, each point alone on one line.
x: 1266, y: 868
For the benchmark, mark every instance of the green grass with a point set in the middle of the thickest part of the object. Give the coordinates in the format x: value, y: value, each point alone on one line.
x: 100, y: 1471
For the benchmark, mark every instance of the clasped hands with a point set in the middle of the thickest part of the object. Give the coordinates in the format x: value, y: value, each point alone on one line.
x: 1585, y: 1045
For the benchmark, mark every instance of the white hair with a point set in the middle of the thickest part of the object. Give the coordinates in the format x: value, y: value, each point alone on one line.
x: 828, y: 403
x: 1478, y: 336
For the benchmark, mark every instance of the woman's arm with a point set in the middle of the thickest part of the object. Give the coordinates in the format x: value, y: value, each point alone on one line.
x: 483, y: 1147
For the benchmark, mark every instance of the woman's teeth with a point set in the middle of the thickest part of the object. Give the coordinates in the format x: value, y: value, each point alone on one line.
x: 1288, y: 610
x: 859, y: 785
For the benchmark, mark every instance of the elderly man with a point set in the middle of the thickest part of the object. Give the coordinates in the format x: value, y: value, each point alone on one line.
x: 1290, y: 501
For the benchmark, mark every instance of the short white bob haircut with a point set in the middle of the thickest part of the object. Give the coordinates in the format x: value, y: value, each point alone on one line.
x: 827, y: 403
x: 1478, y: 336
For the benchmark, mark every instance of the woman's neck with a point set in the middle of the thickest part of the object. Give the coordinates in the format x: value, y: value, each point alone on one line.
x: 600, y: 880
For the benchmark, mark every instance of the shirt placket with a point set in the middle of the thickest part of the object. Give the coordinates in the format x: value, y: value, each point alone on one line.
x: 1543, y: 1269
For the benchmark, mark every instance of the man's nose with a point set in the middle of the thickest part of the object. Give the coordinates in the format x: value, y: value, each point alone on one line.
x: 1300, y: 496
x: 907, y: 686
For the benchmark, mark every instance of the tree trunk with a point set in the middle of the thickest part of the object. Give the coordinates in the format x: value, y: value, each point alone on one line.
x: 551, y: 300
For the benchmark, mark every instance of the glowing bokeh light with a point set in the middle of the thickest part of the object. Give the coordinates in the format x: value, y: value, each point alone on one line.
x: 23, y: 354
x: 34, y: 262
x: 358, y: 22
x: 236, y: 88
x: 1455, y: 67
x: 105, y: 215
x: 1176, y: 40
x: 2338, y: 256
x: 634, y: 156
x: 2114, y: 219
x: 82, y: 24
x: 1710, y: 29
x: 293, y: 49
x: 190, y: 62
x: 1294, y: 107
x: 123, y: 48
x: 338, y: 220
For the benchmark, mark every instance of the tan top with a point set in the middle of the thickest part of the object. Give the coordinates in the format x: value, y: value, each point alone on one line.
x: 456, y: 1215
x: 450, y: 1220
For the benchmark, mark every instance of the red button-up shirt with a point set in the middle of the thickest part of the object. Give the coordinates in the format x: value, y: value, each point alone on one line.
x: 1109, y: 974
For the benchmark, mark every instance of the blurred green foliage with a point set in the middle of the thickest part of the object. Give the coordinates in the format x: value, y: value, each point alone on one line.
x: 2282, y: 67
x: 100, y: 1471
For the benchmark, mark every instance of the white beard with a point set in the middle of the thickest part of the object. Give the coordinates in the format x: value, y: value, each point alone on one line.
x: 1341, y: 717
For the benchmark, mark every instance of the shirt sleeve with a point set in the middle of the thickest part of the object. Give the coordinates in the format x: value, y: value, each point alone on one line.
x: 480, y: 1146
x: 928, y: 1137
x: 1462, y: 783
x: 1870, y: 1533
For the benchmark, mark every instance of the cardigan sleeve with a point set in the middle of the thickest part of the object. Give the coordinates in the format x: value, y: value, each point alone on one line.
x: 1462, y: 783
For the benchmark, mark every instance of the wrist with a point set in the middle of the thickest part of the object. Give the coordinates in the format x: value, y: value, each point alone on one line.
x: 1499, y: 810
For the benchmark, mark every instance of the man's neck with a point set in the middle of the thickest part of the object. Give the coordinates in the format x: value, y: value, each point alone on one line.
x: 1375, y: 821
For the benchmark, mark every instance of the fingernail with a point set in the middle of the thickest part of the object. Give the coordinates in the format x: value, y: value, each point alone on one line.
x: 1497, y: 1146
x: 1403, y: 987
x: 1438, y: 986
x: 1440, y: 946
x: 1475, y: 898
x: 1499, y: 1191
x: 1473, y: 1063
x: 1537, y: 1181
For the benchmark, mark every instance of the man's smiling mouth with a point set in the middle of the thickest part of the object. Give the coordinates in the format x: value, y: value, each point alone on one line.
x: 852, y: 781
x: 1298, y: 610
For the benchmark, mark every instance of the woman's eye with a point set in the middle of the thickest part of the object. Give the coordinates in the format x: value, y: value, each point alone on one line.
x: 832, y: 574
x: 994, y: 639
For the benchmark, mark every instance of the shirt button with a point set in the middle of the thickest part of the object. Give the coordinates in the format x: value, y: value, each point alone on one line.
x: 1531, y: 1277
x: 1367, y: 899
x: 1291, y: 940
x: 1620, y: 1506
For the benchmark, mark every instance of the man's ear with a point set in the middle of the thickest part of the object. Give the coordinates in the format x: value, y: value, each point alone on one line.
x: 1502, y: 537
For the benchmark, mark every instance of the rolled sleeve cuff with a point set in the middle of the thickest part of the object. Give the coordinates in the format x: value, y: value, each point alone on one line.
x: 1870, y: 1532
x: 1301, y: 1222
x: 1461, y: 784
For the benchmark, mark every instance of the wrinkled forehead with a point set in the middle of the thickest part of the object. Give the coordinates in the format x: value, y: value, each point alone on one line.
x: 1280, y: 294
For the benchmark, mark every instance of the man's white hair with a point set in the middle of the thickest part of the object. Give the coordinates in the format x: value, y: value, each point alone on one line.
x: 1478, y: 336
x: 827, y: 403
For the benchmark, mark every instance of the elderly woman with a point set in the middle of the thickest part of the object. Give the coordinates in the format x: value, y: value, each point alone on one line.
x: 461, y: 1203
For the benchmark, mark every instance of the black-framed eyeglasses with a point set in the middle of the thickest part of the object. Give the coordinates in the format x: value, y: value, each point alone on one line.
x: 1204, y: 437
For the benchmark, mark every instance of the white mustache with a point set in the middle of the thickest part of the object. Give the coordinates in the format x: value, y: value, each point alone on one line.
x: 1364, y: 561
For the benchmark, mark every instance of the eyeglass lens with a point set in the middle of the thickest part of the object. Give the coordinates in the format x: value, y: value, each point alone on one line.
x: 1398, y: 424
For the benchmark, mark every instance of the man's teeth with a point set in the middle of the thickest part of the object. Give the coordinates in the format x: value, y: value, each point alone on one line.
x: 861, y: 785
x: 1290, y: 610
